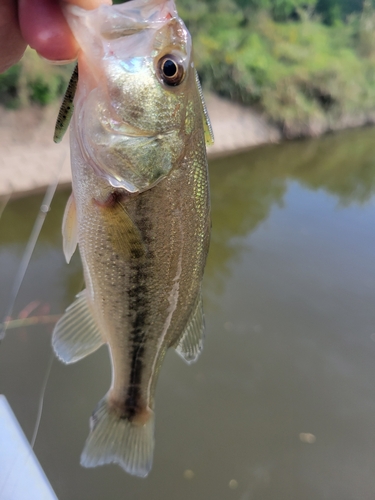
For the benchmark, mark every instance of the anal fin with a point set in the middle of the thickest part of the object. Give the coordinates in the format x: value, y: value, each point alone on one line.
x: 76, y: 334
x: 190, y: 343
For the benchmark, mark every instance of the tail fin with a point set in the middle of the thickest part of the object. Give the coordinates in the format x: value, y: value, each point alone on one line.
x: 117, y: 440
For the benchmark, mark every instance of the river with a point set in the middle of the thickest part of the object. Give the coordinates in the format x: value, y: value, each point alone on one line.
x: 281, y: 403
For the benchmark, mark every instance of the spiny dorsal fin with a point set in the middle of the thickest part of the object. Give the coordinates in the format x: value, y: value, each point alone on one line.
x: 190, y: 343
x: 208, y: 132
x: 67, y: 108
x: 76, y: 334
x: 69, y: 229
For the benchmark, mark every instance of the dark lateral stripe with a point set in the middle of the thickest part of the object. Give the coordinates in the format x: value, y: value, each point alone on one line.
x: 138, y: 302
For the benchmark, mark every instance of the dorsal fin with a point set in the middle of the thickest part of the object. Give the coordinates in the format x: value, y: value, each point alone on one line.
x: 208, y: 132
x: 66, y: 108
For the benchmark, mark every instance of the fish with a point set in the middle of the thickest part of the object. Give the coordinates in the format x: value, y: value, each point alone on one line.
x: 139, y: 213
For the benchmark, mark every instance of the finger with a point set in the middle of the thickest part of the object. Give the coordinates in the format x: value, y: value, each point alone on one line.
x: 12, y: 45
x: 88, y: 4
x: 45, y: 29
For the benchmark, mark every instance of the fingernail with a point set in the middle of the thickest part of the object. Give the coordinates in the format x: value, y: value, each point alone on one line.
x: 89, y: 4
x: 60, y: 62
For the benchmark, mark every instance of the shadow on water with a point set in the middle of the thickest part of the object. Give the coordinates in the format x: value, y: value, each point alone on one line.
x: 281, y: 403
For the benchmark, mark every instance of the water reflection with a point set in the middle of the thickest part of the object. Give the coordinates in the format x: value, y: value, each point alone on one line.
x: 246, y: 187
x: 48, y: 284
x: 282, y: 402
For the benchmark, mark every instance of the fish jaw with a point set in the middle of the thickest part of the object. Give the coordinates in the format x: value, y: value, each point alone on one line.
x: 132, y: 125
x: 113, y: 21
x: 124, y: 30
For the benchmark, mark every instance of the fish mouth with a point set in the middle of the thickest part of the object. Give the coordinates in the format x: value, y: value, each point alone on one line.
x: 113, y: 34
x: 125, y: 19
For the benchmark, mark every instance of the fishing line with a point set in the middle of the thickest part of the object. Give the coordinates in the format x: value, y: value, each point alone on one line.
x: 30, y: 246
x: 39, y: 221
x: 4, y: 203
x: 41, y: 400
x: 42, y: 394
x: 38, y: 419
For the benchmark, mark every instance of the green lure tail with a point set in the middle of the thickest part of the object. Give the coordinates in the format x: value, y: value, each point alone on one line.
x: 67, y: 108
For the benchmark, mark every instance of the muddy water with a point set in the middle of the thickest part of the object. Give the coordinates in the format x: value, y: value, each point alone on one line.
x: 281, y: 404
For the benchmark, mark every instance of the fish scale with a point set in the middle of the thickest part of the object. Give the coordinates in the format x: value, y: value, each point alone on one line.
x: 139, y: 212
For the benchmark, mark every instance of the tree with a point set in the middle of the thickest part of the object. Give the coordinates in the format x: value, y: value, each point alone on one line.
x: 280, y: 10
x: 334, y: 10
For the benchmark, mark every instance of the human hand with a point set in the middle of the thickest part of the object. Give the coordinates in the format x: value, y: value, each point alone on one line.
x: 40, y: 24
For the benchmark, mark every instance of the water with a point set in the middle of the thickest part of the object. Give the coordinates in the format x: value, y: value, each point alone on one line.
x: 281, y: 404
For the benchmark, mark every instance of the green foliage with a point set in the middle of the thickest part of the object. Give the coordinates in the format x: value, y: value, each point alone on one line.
x: 280, y: 10
x: 9, y: 86
x: 307, y: 76
x: 33, y: 80
x: 364, y: 31
x: 334, y: 10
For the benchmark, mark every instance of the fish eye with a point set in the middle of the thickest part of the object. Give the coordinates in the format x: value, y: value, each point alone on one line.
x: 171, y: 70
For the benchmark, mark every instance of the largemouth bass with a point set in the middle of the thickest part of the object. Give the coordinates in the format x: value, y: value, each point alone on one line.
x: 139, y: 211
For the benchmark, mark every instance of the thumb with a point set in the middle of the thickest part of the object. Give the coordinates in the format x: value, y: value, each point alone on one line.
x: 45, y: 29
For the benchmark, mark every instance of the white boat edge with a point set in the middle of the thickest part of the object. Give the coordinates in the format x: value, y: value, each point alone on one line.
x: 21, y: 475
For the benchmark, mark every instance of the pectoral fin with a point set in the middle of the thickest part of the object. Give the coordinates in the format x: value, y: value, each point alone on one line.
x: 69, y: 229
x: 191, y: 341
x: 207, y: 127
x: 76, y: 334
x: 124, y: 234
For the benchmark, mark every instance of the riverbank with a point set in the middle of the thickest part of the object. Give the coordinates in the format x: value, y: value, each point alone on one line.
x: 30, y: 160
